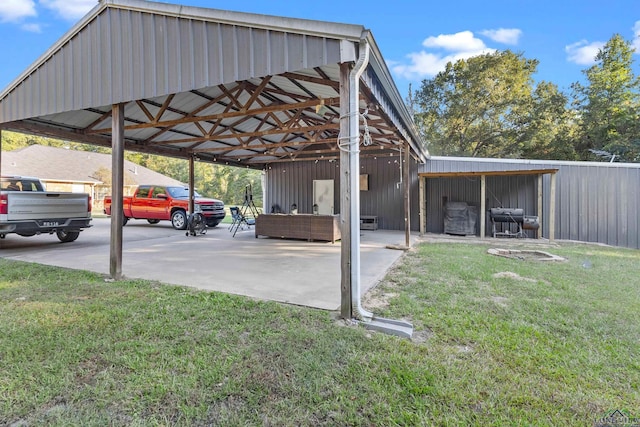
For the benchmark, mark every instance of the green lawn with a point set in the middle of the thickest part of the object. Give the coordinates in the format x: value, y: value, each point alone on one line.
x: 497, y: 342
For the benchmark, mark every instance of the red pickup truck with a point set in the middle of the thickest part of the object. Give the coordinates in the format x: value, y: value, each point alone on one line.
x: 157, y: 203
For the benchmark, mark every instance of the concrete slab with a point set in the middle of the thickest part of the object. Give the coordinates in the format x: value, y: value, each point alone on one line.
x: 290, y: 271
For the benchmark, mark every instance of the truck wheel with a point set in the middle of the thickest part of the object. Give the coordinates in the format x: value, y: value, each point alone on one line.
x: 153, y: 221
x: 67, y: 236
x: 124, y: 220
x: 179, y: 220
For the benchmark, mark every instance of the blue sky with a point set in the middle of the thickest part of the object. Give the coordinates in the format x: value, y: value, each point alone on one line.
x: 417, y: 38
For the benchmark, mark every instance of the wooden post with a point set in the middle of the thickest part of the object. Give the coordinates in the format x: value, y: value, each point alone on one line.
x: 483, y: 205
x: 345, y: 203
x: 423, y: 207
x: 539, y: 231
x: 552, y: 209
x: 117, y: 192
x: 407, y: 196
x: 191, y: 184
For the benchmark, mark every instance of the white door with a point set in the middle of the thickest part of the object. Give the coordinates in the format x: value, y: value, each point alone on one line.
x: 323, y: 195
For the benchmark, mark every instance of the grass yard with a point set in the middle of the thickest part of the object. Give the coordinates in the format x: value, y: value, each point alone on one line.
x: 497, y: 342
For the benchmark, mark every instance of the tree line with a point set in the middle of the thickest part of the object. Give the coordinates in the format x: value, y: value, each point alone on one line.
x: 489, y: 106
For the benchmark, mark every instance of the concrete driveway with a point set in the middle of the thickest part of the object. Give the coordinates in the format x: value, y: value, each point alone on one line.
x: 291, y: 271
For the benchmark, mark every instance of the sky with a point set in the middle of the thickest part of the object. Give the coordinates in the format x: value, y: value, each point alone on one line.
x: 416, y: 38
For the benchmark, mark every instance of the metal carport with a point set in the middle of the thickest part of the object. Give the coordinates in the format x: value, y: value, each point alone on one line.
x: 243, y: 89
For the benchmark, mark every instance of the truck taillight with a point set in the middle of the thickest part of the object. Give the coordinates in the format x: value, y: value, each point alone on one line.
x: 4, y: 204
x: 89, y: 205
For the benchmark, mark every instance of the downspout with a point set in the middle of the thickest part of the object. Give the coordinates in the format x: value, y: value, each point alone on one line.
x: 354, y: 181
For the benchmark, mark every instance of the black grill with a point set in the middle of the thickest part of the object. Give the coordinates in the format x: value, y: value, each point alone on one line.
x: 508, y: 216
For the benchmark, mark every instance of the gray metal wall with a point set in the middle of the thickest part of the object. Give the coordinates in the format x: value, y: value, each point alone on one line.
x: 125, y: 55
x: 595, y: 202
x: 289, y: 183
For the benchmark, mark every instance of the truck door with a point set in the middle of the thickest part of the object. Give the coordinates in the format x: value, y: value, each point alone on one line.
x: 157, y: 205
x: 139, y: 202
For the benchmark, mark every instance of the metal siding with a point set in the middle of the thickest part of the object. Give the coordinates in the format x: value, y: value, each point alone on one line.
x: 293, y: 183
x: 123, y: 55
x: 244, y: 58
x: 595, y: 202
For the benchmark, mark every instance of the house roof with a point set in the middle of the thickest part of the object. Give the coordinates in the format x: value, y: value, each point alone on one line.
x: 244, y: 89
x: 59, y: 164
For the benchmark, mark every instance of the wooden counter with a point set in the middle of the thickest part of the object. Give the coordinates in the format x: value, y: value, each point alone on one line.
x: 300, y: 226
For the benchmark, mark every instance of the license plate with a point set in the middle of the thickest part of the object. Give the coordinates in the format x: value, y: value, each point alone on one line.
x: 50, y: 223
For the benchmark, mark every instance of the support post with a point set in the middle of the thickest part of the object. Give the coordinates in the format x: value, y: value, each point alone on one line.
x: 539, y: 231
x: 345, y: 202
x: 483, y: 205
x: 191, y: 184
x: 117, y: 192
x: 423, y: 207
x: 552, y: 209
x: 407, y: 196
x: 0, y: 152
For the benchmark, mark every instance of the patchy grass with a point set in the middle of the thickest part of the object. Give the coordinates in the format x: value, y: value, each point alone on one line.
x: 544, y: 344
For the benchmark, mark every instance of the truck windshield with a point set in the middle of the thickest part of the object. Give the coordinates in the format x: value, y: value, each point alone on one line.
x: 180, y: 192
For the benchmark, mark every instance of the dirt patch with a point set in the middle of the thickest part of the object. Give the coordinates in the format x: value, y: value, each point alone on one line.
x: 512, y: 275
x: 525, y: 254
x: 377, y: 299
x: 501, y: 301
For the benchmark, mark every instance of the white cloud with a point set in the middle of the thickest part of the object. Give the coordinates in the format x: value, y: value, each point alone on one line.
x: 32, y: 28
x: 429, y: 62
x: 15, y: 10
x: 464, y: 40
x: 583, y: 52
x: 503, y: 35
x: 69, y: 9
x: 636, y: 37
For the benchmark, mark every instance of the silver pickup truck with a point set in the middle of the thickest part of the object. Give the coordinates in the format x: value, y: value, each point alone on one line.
x: 27, y: 209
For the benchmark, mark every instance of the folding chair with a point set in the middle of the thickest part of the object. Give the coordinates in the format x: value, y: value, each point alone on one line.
x: 239, y: 220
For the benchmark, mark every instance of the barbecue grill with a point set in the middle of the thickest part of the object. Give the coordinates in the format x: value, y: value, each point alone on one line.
x: 508, y: 216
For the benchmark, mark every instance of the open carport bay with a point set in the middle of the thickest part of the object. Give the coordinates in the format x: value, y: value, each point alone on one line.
x: 291, y: 271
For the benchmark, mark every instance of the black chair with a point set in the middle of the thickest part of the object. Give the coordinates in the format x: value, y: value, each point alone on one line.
x: 239, y: 220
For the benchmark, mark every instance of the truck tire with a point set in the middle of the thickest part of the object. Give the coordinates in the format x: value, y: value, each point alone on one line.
x: 125, y: 219
x: 67, y: 236
x: 153, y: 221
x: 179, y: 220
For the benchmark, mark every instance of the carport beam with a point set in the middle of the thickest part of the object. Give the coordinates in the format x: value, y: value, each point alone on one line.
x: 117, y: 193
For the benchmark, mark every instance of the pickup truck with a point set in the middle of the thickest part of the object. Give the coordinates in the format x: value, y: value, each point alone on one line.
x: 27, y: 209
x: 157, y: 203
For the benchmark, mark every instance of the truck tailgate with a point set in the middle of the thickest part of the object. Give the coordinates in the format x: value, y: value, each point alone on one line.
x: 35, y: 205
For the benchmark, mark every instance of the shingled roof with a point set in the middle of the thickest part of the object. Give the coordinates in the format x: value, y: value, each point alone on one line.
x: 60, y: 164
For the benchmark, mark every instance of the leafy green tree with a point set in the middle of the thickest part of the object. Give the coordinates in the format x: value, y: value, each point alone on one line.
x: 487, y: 106
x: 551, y: 129
x: 609, y: 105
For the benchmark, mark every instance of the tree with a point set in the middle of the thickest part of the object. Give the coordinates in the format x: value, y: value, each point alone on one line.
x: 551, y: 129
x: 487, y: 106
x: 609, y: 105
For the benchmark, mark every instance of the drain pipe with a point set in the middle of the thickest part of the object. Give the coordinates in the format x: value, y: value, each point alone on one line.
x: 354, y: 181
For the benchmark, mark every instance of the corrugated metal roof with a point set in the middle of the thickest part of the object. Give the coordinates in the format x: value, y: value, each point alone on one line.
x: 226, y: 86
